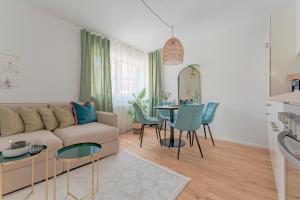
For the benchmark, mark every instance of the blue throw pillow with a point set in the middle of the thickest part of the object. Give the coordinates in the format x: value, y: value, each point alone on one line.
x: 84, y: 113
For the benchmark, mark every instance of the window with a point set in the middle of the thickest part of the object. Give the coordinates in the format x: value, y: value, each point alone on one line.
x: 129, y: 74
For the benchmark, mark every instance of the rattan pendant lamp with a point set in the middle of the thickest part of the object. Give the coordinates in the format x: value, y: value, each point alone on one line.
x: 173, y: 50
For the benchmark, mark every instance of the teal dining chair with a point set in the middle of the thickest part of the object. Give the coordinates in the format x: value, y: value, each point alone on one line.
x: 164, y: 115
x: 189, y: 118
x: 208, y: 117
x: 144, y: 120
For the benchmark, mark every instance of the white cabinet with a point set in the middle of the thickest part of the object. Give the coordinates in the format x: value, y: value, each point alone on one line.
x: 279, y: 172
x: 297, y: 27
x: 274, y: 128
x: 277, y: 159
x: 292, y: 182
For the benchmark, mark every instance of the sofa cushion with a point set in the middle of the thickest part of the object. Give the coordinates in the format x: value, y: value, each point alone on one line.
x: 48, y: 118
x: 10, y: 122
x: 15, y: 106
x: 47, y: 138
x: 92, y: 132
x: 84, y: 113
x: 31, y: 118
x: 65, y: 105
x: 64, y: 117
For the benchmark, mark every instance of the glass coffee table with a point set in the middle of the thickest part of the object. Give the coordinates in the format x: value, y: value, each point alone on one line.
x: 28, y: 156
x: 74, y: 153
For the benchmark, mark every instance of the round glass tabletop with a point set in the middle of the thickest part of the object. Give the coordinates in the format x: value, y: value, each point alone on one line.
x: 79, y: 150
x: 6, y: 160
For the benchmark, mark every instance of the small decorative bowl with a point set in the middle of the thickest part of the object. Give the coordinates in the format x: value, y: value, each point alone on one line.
x: 15, y: 149
x: 9, y: 153
x: 18, y: 144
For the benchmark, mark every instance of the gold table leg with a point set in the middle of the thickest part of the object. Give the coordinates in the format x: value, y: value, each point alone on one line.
x: 94, y: 189
x: 32, y: 174
x: 54, y: 179
x: 68, y: 181
x: 0, y: 181
x: 96, y: 168
x: 93, y: 177
x: 68, y: 176
x: 32, y: 178
x: 46, y: 178
x: 97, y: 188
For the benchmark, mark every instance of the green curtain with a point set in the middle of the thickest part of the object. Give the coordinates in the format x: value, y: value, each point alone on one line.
x: 95, y: 82
x: 154, y: 81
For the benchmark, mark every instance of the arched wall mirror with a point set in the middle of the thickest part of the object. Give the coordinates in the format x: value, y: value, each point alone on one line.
x: 189, y: 84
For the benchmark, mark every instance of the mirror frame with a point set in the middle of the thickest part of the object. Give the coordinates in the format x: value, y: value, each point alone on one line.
x: 178, y: 81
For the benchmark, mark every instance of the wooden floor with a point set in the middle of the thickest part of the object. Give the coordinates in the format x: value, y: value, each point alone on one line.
x: 228, y: 171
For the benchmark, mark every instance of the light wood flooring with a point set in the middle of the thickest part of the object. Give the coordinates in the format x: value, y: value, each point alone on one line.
x: 228, y: 171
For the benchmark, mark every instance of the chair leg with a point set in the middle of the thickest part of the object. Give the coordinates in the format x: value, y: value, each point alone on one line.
x: 193, y: 137
x: 196, y: 136
x: 165, y: 129
x: 156, y: 131
x: 161, y: 124
x: 142, y: 135
x: 159, y: 134
x: 212, y: 139
x: 179, y: 145
x: 190, y: 137
x: 204, y: 130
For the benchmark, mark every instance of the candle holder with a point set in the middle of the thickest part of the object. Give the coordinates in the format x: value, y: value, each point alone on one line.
x: 35, y: 146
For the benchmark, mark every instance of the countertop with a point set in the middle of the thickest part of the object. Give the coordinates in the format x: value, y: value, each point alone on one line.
x: 292, y: 98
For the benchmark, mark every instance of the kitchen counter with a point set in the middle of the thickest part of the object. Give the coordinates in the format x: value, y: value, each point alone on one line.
x: 291, y: 98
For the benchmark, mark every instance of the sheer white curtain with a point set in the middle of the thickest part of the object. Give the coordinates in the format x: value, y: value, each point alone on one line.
x: 129, y: 74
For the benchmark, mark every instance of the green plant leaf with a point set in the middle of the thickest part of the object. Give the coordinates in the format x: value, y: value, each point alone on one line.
x: 139, y: 99
x: 142, y: 94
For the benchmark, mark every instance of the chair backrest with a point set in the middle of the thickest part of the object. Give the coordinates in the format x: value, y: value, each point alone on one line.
x: 139, y: 113
x: 189, y: 117
x: 187, y: 101
x: 164, y: 113
x: 209, y: 112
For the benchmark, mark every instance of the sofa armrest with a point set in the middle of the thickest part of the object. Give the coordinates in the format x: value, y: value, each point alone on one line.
x: 107, y: 118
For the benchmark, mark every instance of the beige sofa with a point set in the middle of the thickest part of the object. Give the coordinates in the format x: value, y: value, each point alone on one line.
x: 104, y: 132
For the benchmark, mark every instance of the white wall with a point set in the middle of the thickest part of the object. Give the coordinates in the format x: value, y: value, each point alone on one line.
x: 283, y: 43
x: 234, y: 73
x: 233, y: 68
x: 49, y: 51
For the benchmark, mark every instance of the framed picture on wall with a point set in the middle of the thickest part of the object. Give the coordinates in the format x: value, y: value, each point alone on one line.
x: 9, y: 71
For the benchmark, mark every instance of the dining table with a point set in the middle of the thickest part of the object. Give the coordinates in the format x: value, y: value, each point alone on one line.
x: 172, y: 141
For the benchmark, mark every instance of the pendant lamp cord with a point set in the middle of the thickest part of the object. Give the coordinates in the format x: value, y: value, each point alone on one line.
x: 158, y: 16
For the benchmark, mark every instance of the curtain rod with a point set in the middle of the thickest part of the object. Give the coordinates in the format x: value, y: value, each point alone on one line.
x: 114, y: 40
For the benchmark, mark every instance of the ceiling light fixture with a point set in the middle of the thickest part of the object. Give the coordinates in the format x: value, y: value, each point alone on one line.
x: 173, y: 50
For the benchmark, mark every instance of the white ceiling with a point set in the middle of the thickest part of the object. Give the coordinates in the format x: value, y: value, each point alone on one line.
x: 130, y: 21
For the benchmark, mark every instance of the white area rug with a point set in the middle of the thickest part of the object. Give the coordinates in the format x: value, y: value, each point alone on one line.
x: 124, y: 176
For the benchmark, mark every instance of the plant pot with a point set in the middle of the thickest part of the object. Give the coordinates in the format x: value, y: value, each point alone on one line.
x: 136, y: 127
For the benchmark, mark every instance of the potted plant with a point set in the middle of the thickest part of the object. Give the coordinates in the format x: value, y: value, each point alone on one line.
x: 140, y: 100
x: 194, y: 70
x: 164, y: 96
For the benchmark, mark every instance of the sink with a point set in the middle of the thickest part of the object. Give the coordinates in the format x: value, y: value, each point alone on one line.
x: 290, y: 148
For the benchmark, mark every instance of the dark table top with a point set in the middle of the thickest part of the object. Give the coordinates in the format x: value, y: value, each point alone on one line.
x: 166, y: 107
